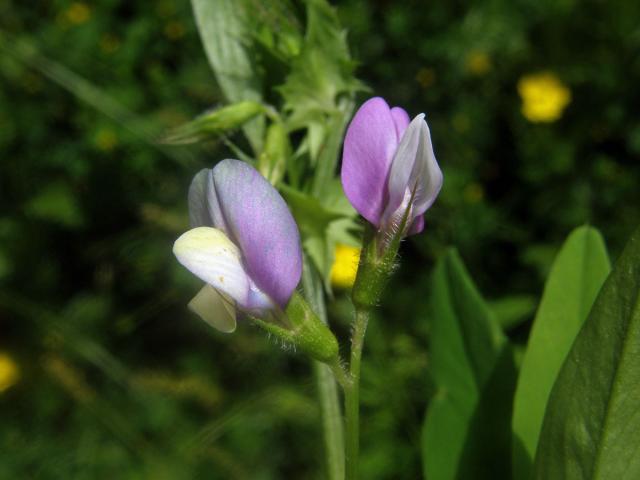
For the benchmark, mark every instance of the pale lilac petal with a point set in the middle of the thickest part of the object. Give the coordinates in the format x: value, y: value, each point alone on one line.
x: 211, y: 256
x: 402, y: 168
x: 215, y: 209
x: 257, y: 219
x: 369, y: 146
x: 215, y: 308
x: 198, y: 204
x: 427, y: 174
x: 400, y: 120
x: 414, y: 169
x: 417, y: 226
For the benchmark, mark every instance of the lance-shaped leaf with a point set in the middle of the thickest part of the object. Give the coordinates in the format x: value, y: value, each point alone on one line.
x: 576, y: 276
x: 591, y: 429
x: 226, y: 34
x: 467, y: 431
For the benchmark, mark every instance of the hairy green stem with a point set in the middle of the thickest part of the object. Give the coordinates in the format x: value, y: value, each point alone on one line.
x: 352, y: 394
x: 330, y: 411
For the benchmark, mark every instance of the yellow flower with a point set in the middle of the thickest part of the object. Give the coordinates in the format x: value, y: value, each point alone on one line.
x: 174, y: 30
x: 9, y: 372
x: 544, y: 97
x: 106, y: 139
x: 345, y: 266
x: 426, y: 77
x: 78, y: 13
x: 109, y: 43
x: 478, y: 63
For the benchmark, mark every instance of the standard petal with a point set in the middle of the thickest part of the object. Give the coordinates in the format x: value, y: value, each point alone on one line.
x: 198, y: 209
x: 369, y: 146
x: 211, y: 256
x: 215, y: 308
x: 259, y: 222
x: 400, y: 120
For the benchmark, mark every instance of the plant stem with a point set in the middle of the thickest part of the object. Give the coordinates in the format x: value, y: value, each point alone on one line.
x: 329, y: 400
x: 352, y: 395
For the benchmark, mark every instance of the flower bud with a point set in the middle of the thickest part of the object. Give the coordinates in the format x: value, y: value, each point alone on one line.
x: 214, y: 122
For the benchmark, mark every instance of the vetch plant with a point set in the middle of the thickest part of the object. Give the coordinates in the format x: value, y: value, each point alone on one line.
x: 273, y: 260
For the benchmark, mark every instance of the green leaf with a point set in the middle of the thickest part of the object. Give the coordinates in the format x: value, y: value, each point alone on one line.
x: 592, y: 426
x: 312, y: 217
x: 466, y: 432
x: 56, y: 203
x: 225, y: 31
x: 319, y: 90
x: 322, y: 225
x: 576, y: 276
x: 513, y: 310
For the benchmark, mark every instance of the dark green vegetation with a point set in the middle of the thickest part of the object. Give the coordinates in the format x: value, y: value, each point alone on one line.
x: 118, y: 380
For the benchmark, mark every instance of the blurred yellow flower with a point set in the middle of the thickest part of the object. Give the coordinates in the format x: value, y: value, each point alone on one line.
x: 174, y: 30
x: 109, y: 43
x: 426, y: 77
x: 478, y: 63
x: 106, y: 139
x: 544, y: 97
x: 473, y: 193
x: 78, y: 13
x: 9, y: 372
x: 345, y: 266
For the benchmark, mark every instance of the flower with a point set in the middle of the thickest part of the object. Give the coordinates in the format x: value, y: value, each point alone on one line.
x: 245, y: 244
x: 345, y: 266
x: 544, y: 97
x: 389, y: 168
x: 9, y: 372
x: 478, y: 63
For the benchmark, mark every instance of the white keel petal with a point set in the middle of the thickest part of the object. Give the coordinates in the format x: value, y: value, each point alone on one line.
x: 215, y: 308
x: 212, y: 257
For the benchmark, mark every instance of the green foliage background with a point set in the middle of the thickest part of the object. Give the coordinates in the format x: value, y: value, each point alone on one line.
x: 117, y: 379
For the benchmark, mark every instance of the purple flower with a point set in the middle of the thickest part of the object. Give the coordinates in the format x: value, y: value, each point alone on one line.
x: 245, y: 243
x: 388, y: 166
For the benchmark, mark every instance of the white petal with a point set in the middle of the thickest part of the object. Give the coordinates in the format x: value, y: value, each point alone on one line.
x: 212, y: 257
x: 403, y: 164
x: 215, y: 308
x: 426, y: 174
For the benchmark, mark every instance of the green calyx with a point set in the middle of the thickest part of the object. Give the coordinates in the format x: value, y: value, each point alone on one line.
x: 376, y: 266
x: 304, y: 330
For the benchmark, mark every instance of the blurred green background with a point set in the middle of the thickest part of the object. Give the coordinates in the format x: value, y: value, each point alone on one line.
x: 533, y: 107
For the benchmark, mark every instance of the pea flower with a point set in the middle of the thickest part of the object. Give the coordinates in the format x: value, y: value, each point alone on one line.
x: 389, y: 169
x: 544, y: 97
x: 244, y: 244
x: 345, y: 266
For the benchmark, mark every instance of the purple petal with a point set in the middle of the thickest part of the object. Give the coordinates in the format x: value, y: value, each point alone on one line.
x: 369, y: 145
x: 401, y: 121
x: 257, y: 219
